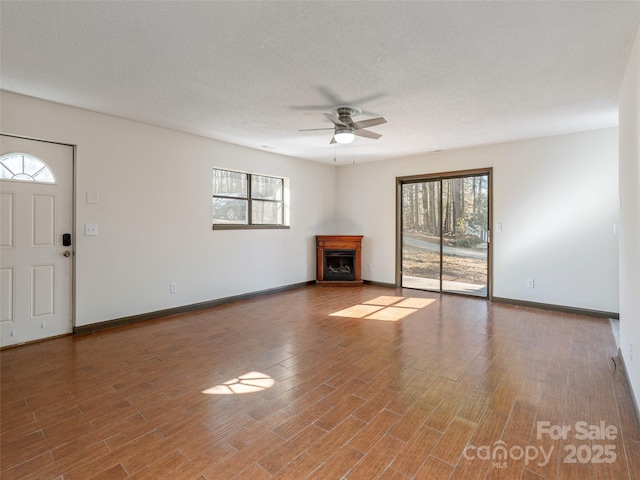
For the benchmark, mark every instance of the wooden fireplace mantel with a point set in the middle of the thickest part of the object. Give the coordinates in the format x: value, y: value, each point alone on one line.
x: 338, y: 242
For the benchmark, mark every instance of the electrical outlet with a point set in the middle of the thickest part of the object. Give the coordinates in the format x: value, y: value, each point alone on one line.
x: 173, y: 287
x: 43, y: 324
x: 531, y: 283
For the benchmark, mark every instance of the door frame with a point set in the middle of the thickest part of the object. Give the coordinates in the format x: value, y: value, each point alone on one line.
x: 445, y: 176
x: 74, y: 236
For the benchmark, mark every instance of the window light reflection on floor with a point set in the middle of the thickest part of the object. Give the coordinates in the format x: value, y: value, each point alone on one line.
x: 248, y: 383
x: 386, y: 308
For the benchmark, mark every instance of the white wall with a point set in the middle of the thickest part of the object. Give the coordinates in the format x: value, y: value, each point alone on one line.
x: 154, y: 213
x: 556, y: 197
x: 629, y: 102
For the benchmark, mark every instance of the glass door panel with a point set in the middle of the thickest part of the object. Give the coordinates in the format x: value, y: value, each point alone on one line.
x: 421, y: 246
x: 465, y: 235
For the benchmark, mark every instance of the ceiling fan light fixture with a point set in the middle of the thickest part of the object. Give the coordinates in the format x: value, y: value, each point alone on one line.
x: 344, y: 135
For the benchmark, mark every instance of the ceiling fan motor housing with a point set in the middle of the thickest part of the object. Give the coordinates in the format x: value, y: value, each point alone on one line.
x: 345, y: 114
x: 345, y: 129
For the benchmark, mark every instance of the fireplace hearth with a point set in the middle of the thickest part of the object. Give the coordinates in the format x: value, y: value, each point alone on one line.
x: 338, y: 259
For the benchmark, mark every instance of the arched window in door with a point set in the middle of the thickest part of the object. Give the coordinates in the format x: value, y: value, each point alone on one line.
x: 25, y: 167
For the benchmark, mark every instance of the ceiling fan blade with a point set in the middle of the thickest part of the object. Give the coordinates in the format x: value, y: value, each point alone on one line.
x: 367, y: 133
x: 372, y: 122
x: 334, y: 120
x: 306, y: 108
x: 313, y: 129
x: 327, y: 93
x: 367, y: 99
x: 333, y: 140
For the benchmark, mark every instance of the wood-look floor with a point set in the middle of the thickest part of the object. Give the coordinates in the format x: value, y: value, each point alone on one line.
x: 366, y: 384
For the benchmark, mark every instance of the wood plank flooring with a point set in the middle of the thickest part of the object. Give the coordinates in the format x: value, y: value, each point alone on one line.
x: 324, y: 383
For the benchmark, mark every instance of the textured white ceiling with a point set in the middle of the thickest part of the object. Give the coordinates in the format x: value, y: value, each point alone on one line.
x: 444, y: 74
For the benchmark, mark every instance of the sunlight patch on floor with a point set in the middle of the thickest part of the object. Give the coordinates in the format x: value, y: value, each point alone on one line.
x: 385, y: 308
x: 247, y: 383
x: 384, y: 300
x: 357, y: 311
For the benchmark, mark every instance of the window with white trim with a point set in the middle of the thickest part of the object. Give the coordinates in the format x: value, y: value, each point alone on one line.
x: 25, y: 167
x: 247, y: 200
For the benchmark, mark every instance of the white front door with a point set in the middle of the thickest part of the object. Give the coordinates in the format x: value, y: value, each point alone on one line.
x: 36, y: 210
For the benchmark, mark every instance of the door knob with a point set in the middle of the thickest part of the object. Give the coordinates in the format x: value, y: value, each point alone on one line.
x: 67, y: 253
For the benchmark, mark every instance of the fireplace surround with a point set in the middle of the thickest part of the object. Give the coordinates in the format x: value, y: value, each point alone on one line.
x: 338, y: 259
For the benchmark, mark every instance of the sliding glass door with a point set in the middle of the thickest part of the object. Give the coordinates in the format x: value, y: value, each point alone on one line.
x: 444, y: 232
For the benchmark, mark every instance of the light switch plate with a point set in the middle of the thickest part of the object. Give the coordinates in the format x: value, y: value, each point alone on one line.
x: 90, y: 229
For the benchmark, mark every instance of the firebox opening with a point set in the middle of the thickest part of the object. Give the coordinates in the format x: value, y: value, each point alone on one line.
x: 339, y: 265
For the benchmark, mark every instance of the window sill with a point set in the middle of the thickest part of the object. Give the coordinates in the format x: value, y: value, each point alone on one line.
x: 249, y: 227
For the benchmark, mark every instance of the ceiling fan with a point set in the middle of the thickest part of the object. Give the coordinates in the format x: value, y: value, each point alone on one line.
x: 345, y: 128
